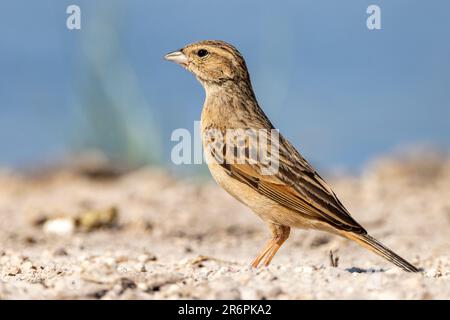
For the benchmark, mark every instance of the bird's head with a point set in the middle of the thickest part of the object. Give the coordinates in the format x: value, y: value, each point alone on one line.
x: 212, y: 62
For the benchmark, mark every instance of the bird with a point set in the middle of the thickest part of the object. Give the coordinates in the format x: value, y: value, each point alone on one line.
x: 289, y: 194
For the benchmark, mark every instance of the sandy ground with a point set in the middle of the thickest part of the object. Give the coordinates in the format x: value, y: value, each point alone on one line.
x: 73, y: 233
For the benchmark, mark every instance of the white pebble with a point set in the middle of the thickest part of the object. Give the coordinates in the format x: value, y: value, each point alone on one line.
x: 59, y: 226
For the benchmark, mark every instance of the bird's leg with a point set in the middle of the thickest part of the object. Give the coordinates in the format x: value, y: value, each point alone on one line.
x: 279, y: 235
x: 263, y: 253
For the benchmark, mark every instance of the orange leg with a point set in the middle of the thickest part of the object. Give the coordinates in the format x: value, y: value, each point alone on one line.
x: 279, y: 235
x: 263, y: 253
x: 272, y: 252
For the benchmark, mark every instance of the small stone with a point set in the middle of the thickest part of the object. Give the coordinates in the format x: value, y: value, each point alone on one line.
x: 98, y: 294
x: 60, y: 252
x: 59, y: 226
x: 122, y: 259
x: 14, y: 271
x: 30, y: 240
x: 27, y: 265
x: 147, y: 258
x: 127, y: 283
x: 95, y: 219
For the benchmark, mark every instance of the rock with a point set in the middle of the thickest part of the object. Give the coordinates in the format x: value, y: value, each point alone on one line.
x: 59, y: 226
x: 60, y: 252
x: 95, y: 219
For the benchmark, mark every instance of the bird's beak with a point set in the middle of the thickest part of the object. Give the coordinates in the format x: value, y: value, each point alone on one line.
x: 177, y: 57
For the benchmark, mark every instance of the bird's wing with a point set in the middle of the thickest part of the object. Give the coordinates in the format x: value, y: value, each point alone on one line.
x: 294, y: 185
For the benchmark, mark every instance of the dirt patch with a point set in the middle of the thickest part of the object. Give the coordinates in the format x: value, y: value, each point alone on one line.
x: 178, y: 239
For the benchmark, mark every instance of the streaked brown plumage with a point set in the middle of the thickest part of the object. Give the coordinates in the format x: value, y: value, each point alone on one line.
x: 295, y: 195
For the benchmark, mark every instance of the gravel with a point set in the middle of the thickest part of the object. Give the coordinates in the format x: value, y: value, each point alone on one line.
x: 181, y: 239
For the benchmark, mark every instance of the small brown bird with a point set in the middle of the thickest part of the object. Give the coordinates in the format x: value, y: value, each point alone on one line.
x: 293, y: 195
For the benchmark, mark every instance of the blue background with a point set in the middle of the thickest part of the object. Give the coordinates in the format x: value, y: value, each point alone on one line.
x: 341, y: 93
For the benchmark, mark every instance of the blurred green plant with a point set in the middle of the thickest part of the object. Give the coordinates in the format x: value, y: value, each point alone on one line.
x: 115, y: 118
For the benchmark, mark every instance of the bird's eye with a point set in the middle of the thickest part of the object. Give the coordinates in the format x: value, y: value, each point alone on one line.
x: 202, y: 52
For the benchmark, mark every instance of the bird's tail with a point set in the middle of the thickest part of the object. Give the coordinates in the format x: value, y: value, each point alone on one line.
x: 374, y: 245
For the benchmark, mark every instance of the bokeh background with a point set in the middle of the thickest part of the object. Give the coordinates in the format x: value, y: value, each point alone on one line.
x: 74, y: 226
x: 342, y: 93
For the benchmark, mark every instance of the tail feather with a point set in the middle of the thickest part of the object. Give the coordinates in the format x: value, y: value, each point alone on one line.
x: 374, y: 245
